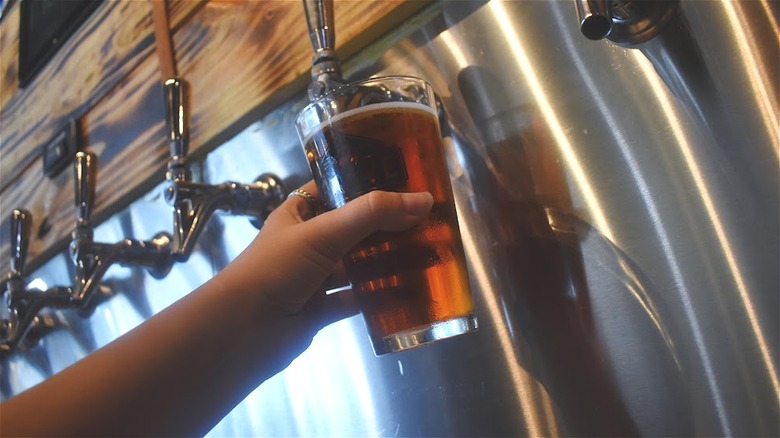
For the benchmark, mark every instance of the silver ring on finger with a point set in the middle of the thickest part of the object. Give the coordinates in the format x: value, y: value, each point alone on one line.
x: 313, y: 204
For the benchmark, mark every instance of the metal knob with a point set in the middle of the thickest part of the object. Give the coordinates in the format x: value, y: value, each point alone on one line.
x: 84, y: 169
x: 268, y: 191
x: 21, y: 224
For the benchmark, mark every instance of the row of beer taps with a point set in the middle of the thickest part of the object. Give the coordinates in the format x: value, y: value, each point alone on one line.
x: 193, y: 204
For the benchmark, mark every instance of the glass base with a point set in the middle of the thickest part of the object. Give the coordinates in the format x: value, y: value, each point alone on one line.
x: 422, y: 335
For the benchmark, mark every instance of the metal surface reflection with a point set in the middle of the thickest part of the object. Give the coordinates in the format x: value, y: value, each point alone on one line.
x: 619, y: 209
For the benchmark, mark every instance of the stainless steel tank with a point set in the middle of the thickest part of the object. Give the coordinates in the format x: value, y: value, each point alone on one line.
x: 620, y: 211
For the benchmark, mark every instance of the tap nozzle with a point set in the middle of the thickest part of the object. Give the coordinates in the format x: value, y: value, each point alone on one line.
x: 326, y: 66
x: 595, y: 17
x: 24, y: 305
x: 193, y: 203
x: 92, y: 259
x: 624, y: 22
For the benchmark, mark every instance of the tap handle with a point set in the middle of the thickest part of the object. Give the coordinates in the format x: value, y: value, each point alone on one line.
x: 325, y: 65
x: 85, y: 187
x: 595, y: 17
x: 176, y: 117
x: 319, y: 18
x: 21, y: 224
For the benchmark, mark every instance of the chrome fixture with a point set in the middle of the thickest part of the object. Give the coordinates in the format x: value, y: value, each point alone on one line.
x: 92, y: 259
x: 193, y: 203
x: 23, y: 305
x: 325, y: 65
x: 624, y: 22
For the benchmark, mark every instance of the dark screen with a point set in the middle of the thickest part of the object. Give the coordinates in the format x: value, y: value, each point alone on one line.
x: 45, y: 26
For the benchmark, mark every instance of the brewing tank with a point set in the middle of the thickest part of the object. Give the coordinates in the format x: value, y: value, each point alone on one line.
x: 618, y: 203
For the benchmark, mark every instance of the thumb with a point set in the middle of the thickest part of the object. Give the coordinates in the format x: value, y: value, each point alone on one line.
x: 363, y: 216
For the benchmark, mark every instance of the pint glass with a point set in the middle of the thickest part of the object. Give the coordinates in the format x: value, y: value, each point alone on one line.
x: 383, y: 134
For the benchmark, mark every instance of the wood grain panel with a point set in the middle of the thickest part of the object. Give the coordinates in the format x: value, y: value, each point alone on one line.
x: 241, y: 59
x: 9, y: 54
x: 106, y: 49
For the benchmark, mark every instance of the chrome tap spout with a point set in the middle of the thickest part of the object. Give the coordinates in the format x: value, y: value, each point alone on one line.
x: 193, y: 202
x: 92, y: 259
x: 624, y: 22
x: 595, y: 17
x: 23, y: 304
x: 325, y: 65
x: 24, y: 308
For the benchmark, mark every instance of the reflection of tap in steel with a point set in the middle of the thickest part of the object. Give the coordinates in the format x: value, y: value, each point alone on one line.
x: 92, y: 259
x: 325, y: 66
x: 23, y: 304
x: 624, y: 22
x: 193, y: 203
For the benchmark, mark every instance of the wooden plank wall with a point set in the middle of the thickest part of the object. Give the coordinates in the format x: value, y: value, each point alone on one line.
x: 241, y: 59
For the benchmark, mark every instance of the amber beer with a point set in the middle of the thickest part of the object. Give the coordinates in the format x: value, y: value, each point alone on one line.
x: 412, y: 286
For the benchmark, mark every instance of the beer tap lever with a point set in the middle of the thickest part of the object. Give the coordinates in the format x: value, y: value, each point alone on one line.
x: 21, y: 224
x: 177, y: 122
x: 325, y: 65
x: 92, y: 259
x: 15, y: 288
x: 23, y: 304
x: 193, y: 203
x: 12, y: 328
x: 85, y: 259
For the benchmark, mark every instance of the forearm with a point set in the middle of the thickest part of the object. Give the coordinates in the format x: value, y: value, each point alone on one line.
x: 182, y: 370
x: 177, y: 373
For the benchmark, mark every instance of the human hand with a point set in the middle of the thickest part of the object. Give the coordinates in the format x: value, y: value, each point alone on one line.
x: 291, y: 263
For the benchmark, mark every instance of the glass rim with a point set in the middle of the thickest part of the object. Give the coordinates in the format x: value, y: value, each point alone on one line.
x: 341, y: 88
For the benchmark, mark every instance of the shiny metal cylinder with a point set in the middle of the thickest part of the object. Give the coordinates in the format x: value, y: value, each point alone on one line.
x: 21, y: 226
x: 326, y: 65
x: 595, y: 18
x: 177, y: 117
x: 84, y: 183
x: 319, y: 18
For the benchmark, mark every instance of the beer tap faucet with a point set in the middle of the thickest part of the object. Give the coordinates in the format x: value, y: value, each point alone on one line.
x: 92, y: 259
x: 23, y: 305
x: 21, y: 224
x: 193, y: 203
x: 624, y: 22
x: 325, y: 65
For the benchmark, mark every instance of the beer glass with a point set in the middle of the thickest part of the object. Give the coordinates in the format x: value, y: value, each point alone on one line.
x: 412, y: 286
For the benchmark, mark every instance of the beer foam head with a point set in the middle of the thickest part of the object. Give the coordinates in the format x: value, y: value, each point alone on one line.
x: 374, y: 107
